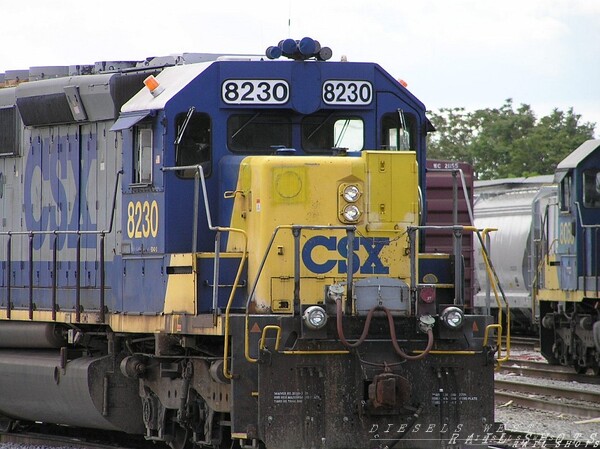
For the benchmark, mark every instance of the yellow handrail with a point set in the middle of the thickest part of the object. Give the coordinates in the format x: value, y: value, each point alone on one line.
x: 247, y: 355
x: 317, y: 352
x: 264, y: 334
x: 238, y: 275
x: 545, y: 260
x: 486, y: 334
x: 493, y: 283
x: 491, y: 276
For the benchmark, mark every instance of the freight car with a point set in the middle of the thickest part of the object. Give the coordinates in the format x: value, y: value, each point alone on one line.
x: 450, y: 187
x: 225, y: 252
x: 508, y: 205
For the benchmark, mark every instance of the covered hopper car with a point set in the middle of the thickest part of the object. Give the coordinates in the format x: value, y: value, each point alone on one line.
x: 508, y: 206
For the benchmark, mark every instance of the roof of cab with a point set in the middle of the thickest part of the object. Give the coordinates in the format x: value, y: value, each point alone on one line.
x: 578, y: 155
x: 172, y: 79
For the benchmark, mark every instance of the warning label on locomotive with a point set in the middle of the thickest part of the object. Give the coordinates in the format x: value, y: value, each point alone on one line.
x: 292, y: 397
x: 440, y: 397
x: 288, y: 397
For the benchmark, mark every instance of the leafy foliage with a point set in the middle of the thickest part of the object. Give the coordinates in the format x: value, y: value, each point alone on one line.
x: 504, y: 142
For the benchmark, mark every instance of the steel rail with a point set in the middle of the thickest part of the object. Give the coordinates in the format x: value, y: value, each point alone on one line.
x: 548, y: 398
x: 545, y: 371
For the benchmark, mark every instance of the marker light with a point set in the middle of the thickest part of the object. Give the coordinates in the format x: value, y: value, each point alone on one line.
x: 351, y: 213
x: 351, y: 193
x: 153, y: 86
x: 427, y: 295
x: 315, y: 317
x: 453, y: 317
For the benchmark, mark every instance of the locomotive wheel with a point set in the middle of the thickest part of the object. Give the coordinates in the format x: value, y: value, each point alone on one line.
x: 579, y: 369
x: 596, y: 335
x: 180, y: 438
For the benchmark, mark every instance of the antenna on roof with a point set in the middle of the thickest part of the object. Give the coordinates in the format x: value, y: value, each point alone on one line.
x: 289, y: 18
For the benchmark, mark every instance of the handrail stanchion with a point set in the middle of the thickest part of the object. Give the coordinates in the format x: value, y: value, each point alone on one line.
x: 349, y: 269
x: 412, y: 234
x: 296, y: 234
x: 458, y: 266
x: 31, y: 275
x: 216, y: 277
x: 9, y: 275
x: 102, y: 279
x: 78, y: 280
x: 54, y: 275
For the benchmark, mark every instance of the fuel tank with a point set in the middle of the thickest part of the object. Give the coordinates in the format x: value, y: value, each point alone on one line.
x: 31, y: 335
x: 85, y: 392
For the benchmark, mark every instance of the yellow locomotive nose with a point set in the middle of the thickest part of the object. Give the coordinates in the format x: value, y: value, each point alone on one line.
x: 278, y: 192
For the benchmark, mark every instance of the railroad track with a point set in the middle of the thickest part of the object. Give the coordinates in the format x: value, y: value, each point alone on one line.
x: 35, y: 439
x: 527, y: 368
x: 508, y: 440
x: 532, y: 342
x: 552, y: 397
x: 58, y: 436
x: 584, y: 404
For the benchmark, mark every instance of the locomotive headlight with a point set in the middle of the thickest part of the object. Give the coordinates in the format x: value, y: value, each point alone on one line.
x: 351, y: 193
x: 351, y: 213
x: 315, y: 317
x: 453, y: 317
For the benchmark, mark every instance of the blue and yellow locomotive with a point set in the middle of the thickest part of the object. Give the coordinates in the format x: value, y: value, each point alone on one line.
x: 229, y: 256
x: 567, y: 255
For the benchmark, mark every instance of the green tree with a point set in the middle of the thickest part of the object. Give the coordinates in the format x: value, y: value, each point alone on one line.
x: 504, y: 142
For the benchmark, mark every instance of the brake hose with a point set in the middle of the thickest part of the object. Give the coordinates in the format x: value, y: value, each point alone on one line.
x: 365, y: 331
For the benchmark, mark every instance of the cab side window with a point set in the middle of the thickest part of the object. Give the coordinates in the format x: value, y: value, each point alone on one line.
x: 591, y: 188
x: 142, y: 155
x: 565, y: 193
x: 195, y: 146
x: 399, y: 131
x: 9, y: 142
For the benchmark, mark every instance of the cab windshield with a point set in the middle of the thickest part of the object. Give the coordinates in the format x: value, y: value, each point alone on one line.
x: 263, y: 133
x: 258, y: 133
x: 326, y: 131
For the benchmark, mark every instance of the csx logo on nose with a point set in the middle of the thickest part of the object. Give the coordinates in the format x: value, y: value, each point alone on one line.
x: 371, y: 265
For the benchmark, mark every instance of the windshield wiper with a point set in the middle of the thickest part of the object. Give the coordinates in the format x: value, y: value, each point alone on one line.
x: 182, y: 130
x: 241, y: 128
x: 320, y: 126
